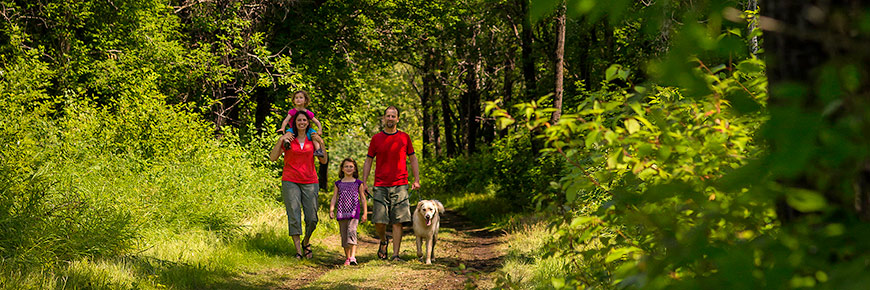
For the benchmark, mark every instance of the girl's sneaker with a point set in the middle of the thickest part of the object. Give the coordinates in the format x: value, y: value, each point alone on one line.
x: 347, y: 262
x: 353, y: 261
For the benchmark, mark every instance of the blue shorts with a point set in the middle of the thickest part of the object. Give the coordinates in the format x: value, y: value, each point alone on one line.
x: 310, y: 131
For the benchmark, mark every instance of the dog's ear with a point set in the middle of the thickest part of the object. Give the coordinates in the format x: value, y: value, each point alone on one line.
x: 439, y: 205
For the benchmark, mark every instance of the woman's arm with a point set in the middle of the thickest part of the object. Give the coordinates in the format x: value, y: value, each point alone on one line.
x: 277, y: 150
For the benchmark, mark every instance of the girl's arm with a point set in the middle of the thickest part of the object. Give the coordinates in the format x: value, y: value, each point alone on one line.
x: 332, y: 203
x: 363, y: 202
x: 319, y: 127
x: 284, y: 124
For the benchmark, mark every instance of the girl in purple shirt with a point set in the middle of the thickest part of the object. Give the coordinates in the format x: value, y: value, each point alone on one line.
x: 348, y: 206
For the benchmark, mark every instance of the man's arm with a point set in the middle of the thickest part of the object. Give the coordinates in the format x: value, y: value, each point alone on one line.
x: 415, y: 169
x: 367, y: 167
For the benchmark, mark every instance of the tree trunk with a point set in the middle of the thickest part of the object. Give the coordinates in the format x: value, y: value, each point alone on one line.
x: 528, y: 60
x: 263, y: 108
x: 508, y: 88
x: 560, y: 63
x: 446, y: 114
x: 471, y: 97
x: 426, y: 98
x: 752, y: 5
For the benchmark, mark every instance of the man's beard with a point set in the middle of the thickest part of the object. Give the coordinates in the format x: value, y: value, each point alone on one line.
x: 390, y: 125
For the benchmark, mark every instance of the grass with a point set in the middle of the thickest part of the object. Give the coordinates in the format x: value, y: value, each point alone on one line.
x: 258, y: 254
x: 483, y: 209
x: 525, y: 267
x: 189, y: 259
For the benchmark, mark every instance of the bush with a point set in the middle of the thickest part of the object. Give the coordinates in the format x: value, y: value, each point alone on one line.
x: 79, y: 178
x: 509, y: 167
x: 523, y: 175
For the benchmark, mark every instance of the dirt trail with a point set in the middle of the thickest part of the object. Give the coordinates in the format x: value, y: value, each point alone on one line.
x: 465, y: 257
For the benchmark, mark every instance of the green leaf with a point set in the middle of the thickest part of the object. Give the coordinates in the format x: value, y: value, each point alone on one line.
x: 592, y: 138
x: 581, y: 220
x: 618, y: 253
x: 805, y: 200
x: 632, y: 125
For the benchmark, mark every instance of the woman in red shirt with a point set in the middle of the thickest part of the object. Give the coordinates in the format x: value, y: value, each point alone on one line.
x: 299, y: 186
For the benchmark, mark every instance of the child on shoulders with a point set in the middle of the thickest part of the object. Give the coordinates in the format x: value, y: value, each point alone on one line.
x: 300, y: 101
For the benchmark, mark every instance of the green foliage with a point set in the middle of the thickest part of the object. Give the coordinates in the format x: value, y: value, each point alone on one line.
x: 522, y: 175
x: 85, y: 179
x: 509, y: 167
x: 43, y: 220
x: 637, y: 155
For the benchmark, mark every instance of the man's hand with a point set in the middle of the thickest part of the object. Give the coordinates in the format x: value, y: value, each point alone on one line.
x: 415, y: 185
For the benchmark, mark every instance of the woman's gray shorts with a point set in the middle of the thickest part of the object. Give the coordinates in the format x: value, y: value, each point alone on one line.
x: 298, y: 198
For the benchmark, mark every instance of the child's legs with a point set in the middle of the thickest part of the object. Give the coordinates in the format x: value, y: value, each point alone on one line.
x: 343, y: 232
x: 313, y: 136
x: 352, y: 236
x: 318, y: 141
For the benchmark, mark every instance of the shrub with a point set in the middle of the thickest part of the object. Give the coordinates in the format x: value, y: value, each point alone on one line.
x: 78, y: 178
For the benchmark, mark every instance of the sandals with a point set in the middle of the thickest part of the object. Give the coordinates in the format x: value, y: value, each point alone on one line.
x: 306, y: 251
x: 382, y: 249
x: 396, y: 258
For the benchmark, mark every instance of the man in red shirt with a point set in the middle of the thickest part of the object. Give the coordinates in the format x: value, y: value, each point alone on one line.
x: 393, y: 149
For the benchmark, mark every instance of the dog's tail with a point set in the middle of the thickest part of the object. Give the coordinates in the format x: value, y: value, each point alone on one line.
x: 440, y: 206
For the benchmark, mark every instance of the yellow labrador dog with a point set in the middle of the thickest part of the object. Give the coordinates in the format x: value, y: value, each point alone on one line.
x: 427, y: 220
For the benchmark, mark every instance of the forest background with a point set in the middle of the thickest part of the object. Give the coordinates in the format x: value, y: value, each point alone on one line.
x: 660, y: 143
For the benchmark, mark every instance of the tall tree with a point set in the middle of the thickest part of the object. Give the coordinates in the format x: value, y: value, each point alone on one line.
x: 470, y: 98
x: 527, y: 57
x: 427, y: 102
x: 560, y: 62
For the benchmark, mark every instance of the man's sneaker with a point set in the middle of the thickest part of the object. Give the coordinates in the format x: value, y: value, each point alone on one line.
x: 318, y: 152
x: 353, y: 262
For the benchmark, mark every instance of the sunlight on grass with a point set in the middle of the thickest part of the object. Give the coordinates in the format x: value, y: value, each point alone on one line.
x: 195, y: 259
x: 524, y: 265
x: 483, y: 209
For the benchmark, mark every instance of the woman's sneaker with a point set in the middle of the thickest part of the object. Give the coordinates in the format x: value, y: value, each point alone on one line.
x: 347, y: 262
x: 318, y: 152
x: 353, y: 261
